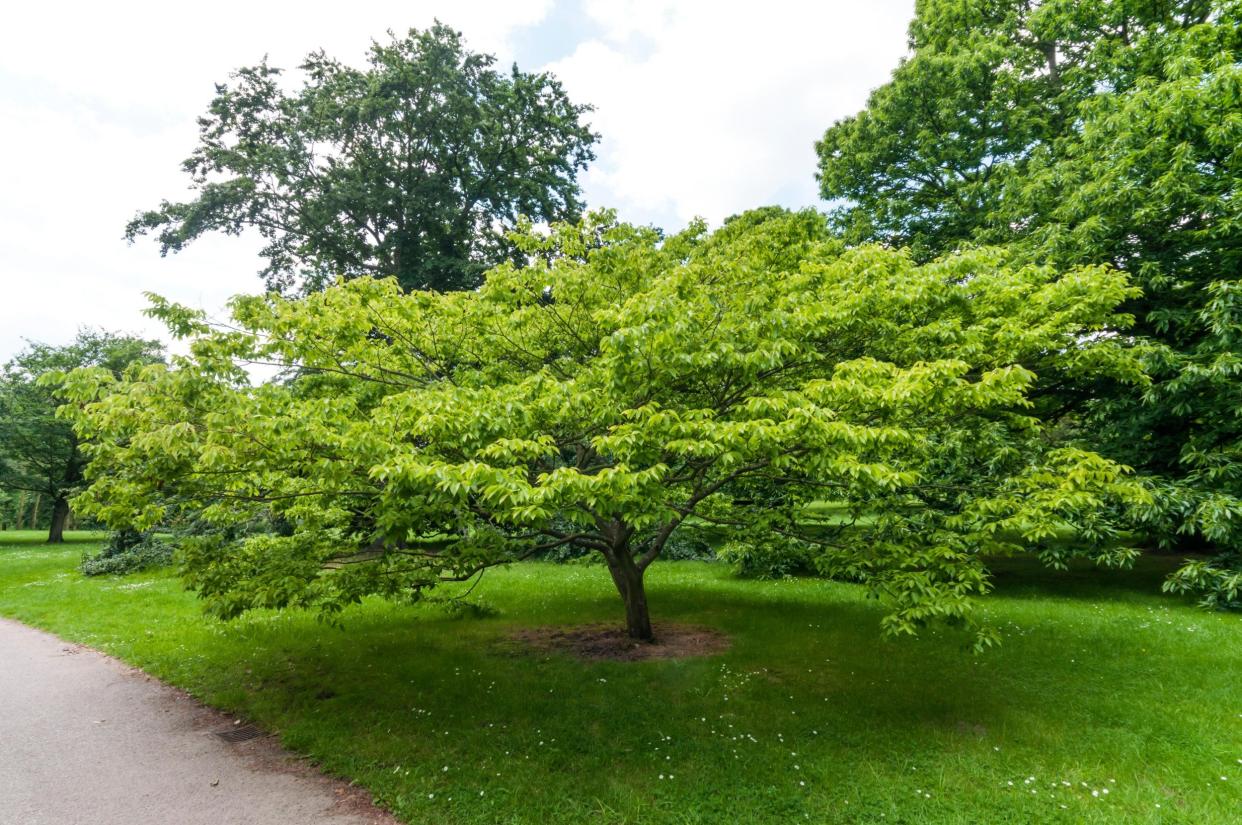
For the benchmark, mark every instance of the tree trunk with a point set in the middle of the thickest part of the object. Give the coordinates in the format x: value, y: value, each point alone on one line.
x: 60, y: 514
x: 629, y: 581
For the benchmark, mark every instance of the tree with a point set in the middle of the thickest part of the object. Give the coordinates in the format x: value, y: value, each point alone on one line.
x: 39, y: 452
x: 989, y: 82
x: 409, y: 168
x: 618, y: 386
x: 1126, y: 154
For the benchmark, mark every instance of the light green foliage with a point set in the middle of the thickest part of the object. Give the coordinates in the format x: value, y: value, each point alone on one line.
x: 610, y: 390
x: 405, y: 168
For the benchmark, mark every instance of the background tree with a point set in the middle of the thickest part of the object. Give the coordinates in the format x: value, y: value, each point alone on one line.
x: 1087, y: 133
x: 412, y: 167
x: 39, y: 453
x: 604, y: 395
x: 988, y: 83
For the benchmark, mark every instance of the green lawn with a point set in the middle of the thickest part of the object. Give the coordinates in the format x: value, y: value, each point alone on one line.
x: 1106, y: 702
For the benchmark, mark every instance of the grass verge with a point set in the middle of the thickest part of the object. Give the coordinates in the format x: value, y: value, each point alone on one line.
x: 1106, y: 702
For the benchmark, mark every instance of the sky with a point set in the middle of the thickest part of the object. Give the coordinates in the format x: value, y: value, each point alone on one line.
x: 705, y: 108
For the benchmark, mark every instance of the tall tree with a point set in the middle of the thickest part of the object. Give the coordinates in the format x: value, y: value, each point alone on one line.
x: 412, y: 167
x: 39, y: 452
x: 988, y: 82
x: 1096, y: 133
x: 602, y: 396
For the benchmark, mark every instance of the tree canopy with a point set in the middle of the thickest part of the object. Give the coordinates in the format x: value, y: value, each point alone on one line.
x: 1086, y: 133
x: 612, y: 389
x: 39, y: 453
x: 412, y: 167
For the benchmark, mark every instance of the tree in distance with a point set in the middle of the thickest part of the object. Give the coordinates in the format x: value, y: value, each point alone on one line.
x: 39, y: 452
x: 412, y: 167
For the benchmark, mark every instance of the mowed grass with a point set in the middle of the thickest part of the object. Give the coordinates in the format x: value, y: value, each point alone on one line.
x: 1106, y: 702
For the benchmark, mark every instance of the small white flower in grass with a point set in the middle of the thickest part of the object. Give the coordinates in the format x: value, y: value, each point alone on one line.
x: 1106, y: 790
x: 431, y: 796
x: 1095, y: 793
x: 480, y: 793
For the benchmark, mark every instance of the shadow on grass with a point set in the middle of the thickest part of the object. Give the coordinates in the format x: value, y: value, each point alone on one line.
x: 1026, y: 577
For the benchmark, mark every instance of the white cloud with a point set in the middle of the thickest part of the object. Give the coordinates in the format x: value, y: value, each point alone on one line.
x: 709, y: 108
x: 706, y: 108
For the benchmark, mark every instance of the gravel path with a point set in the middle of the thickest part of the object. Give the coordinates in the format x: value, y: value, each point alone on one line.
x: 86, y: 739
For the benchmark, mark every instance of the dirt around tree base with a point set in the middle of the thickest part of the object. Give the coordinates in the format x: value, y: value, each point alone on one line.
x: 609, y: 642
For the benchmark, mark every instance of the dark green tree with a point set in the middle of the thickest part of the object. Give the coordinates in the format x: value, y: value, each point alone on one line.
x: 988, y: 83
x: 1087, y: 133
x: 413, y: 167
x: 39, y: 452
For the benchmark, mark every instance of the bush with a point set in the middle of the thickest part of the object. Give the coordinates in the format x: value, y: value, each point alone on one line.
x: 768, y: 560
x: 128, y: 551
x: 688, y: 544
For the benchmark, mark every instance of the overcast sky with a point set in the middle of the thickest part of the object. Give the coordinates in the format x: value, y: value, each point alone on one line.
x: 706, y: 108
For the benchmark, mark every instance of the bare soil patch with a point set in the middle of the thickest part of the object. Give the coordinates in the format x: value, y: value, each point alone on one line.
x: 609, y: 642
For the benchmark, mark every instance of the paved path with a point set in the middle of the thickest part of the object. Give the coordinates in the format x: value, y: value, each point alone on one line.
x: 85, y: 739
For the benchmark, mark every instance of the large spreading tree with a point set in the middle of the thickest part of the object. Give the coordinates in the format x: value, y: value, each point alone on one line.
x: 1087, y: 133
x: 39, y: 453
x: 412, y: 167
x: 613, y: 389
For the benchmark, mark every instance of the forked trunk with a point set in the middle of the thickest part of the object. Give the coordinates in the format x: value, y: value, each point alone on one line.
x: 629, y: 581
x: 60, y: 514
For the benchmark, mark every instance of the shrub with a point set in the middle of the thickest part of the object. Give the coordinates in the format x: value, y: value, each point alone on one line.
x: 128, y: 551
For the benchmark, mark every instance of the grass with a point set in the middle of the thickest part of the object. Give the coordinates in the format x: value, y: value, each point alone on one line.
x: 1107, y: 702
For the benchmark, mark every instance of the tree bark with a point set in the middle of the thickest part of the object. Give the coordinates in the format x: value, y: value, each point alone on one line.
x: 60, y: 514
x: 629, y: 581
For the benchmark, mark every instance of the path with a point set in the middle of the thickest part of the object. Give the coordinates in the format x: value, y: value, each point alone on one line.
x: 85, y: 739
